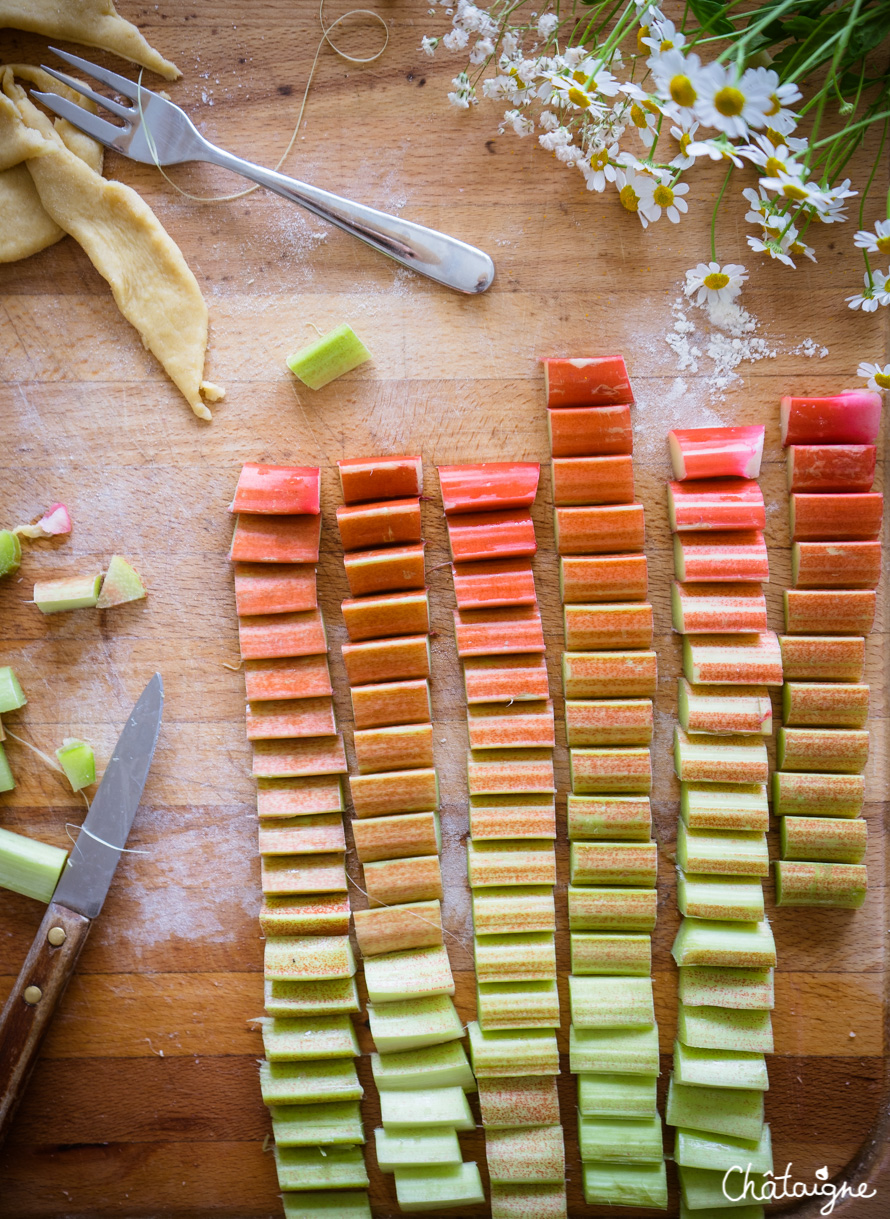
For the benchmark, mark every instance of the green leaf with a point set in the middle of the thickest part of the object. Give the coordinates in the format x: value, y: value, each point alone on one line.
x: 711, y: 16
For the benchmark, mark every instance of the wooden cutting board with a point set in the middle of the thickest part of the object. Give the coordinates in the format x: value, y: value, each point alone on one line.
x: 146, y: 1100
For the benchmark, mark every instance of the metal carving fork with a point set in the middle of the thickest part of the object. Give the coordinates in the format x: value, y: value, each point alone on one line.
x: 160, y: 133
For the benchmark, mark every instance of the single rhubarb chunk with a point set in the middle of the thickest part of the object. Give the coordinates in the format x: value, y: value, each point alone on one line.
x: 824, y: 838
x: 824, y: 704
x: 627, y: 1141
x: 512, y: 1052
x: 702, y: 1188
x: 721, y: 853
x: 836, y: 564
x: 10, y: 553
x: 596, y: 627
x: 337, y: 352
x: 437, y: 1066
x: 279, y: 490
x: 78, y: 762
x: 389, y: 882
x: 611, y: 577
x: 505, y: 679
x: 835, y: 611
x: 611, y: 770
x: 439, y: 1187
x: 831, y: 467
x: 7, y: 782
x: 738, y: 899
x: 29, y: 867
x: 391, y: 569
x: 513, y: 910
x: 815, y: 795
x: 592, y: 480
x: 703, y: 758
x: 498, y: 583
x: 625, y: 1184
x: 370, y: 478
x: 716, y: 503
x: 309, y: 914
x: 387, y: 660
x: 427, y: 1109
x: 497, y: 631
x: 694, y: 1150
x: 609, y: 674
x: 386, y: 615
x: 311, y: 835
x: 608, y: 1095
x: 627, y: 1051
x: 498, y: 864
x: 614, y: 721
x: 735, y: 945
x: 821, y: 658
x: 502, y: 772
x: 721, y: 557
x: 398, y: 837
x: 734, y: 660
x: 277, y: 720
x: 586, y: 381
x: 395, y: 791
x: 308, y: 958
x: 475, y: 536
x: 605, y: 1002
x: 609, y: 817
x: 500, y: 726
x: 67, y: 593
x: 402, y: 1147
x: 122, y: 583
x: 725, y: 806
x: 276, y: 539
x: 280, y: 636
x: 414, y: 1024
x: 310, y: 998
x: 843, y: 514
x: 515, y: 958
x: 400, y: 747
x: 734, y: 1111
x: 590, y: 431
x: 489, y: 486
x: 318, y: 1124
x: 324, y: 1168
x: 851, y: 417
x: 841, y: 885
x: 287, y: 677
x: 605, y: 529
x: 723, y: 1028
x: 303, y: 1083
x: 613, y: 863
x: 286, y: 874
x: 386, y: 704
x: 417, y: 974
x: 497, y: 817
x: 719, y: 1068
x: 263, y: 588
x: 292, y: 759
x: 533, y: 1155
x: 387, y: 523
x: 610, y: 953
x: 398, y: 928
x: 741, y: 709
x: 55, y: 522
x: 716, y: 452
x: 518, y: 1100
x: 517, y: 1005
x: 286, y: 798
x: 304, y: 1039
x: 718, y: 609
x: 834, y: 750
x: 611, y: 909
x: 12, y: 696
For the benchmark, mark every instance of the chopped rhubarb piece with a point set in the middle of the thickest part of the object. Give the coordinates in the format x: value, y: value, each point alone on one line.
x: 298, y: 797
x: 67, y: 593
x: 702, y: 986
x: 370, y: 478
x: 530, y: 957
x: 10, y: 553
x: 500, y: 582
x: 716, y: 503
x: 404, y: 1147
x: 524, y: 1201
x: 816, y: 795
x: 604, y: 1094
x: 703, y: 1187
x: 388, y: 570
x: 618, y: 952
x: 609, y: 721
x: 395, y: 791
x: 278, y: 490
x: 609, y: 674
x: 625, y: 1184
x: 843, y: 515
x: 489, y: 487
x: 279, y: 636
x: 398, y: 928
x: 506, y: 679
x: 438, y: 1066
x: 837, y: 564
x: 330, y: 356
x: 604, y: 1002
x: 532, y: 1155
x: 308, y: 958
x: 611, y: 770
x: 390, y: 882
x: 734, y: 945
x: 741, y: 709
x: 287, y: 677
x: 396, y: 837
x: 291, y: 759
x: 611, y: 909
x: 28, y: 866
x: 592, y: 480
x: 420, y: 973
x: 491, y: 535
x: 724, y: 1028
x: 836, y: 611
x: 322, y: 1168
x: 716, y: 556
x: 439, y: 1186
x: 613, y: 863
x: 498, y: 631
x: 310, y: 998
x: 609, y: 817
x: 316, y: 1125
x: 517, y: 1005
x: 716, y: 452
x: 719, y: 1068
x: 502, y: 772
x: 511, y: 1101
x: 825, y: 839
x: 311, y: 835
x: 386, y: 615
x: 309, y: 914
x: 122, y: 583
x: 634, y: 1141
x: 276, y: 539
x: 300, y: 1083
x: 302, y: 717
x: 703, y: 758
x: 616, y: 626
x: 389, y: 703
x: 831, y: 467
x: 733, y: 660
x: 501, y: 726
x: 586, y: 381
x: 301, y: 1039
x: 840, y: 885
x: 822, y: 658
x: 514, y: 910
x: 55, y: 522
x: 261, y: 588
x: 851, y: 417
x: 389, y: 522
x: 504, y: 864
x: 718, y: 608
x: 630, y: 1051
x: 824, y: 705
x: 614, y: 577
x: 735, y: 899
x: 401, y: 747
x: 285, y: 874
x: 12, y: 696
x: 381, y: 660
x: 737, y: 1112
x: 590, y: 431
x: 606, y: 529
x: 721, y: 853
x: 725, y: 806
x: 413, y: 1024
x: 834, y: 750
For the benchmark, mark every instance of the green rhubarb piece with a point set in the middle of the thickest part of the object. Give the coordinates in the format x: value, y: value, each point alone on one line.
x: 528, y: 1201
x: 414, y: 974
x: 621, y: 952
x: 725, y: 1028
x: 310, y: 998
x: 7, y: 782
x: 10, y: 553
x: 333, y: 1204
x: 736, y: 899
x: 514, y: 910
x: 625, y: 1185
x: 515, y: 958
x: 437, y: 1188
x: 693, y: 1149
x: 704, y: 986
x: 514, y: 1052
x: 398, y: 1148
x: 517, y: 1005
x: 68, y: 593
x: 502, y: 863
x: 318, y: 1037
x: 436, y: 1066
x: 531, y: 1155
x: 318, y: 1124
x: 305, y: 914
x: 624, y: 1141
x: 613, y: 863
x: 702, y: 1192
x: 121, y: 584
x: 609, y: 817
x: 720, y: 1068
x: 734, y: 1111
x: 78, y: 762
x: 429, y: 1107
x: 329, y: 357
x: 726, y: 853
x: 611, y: 909
x: 624, y: 1051
x: 840, y: 885
x: 320, y: 1167
x: 736, y: 945
x: 30, y: 867
x: 606, y: 1094
x: 611, y: 1002
x: 414, y: 1023
x: 725, y: 806
x: 11, y: 694
x: 805, y: 794
x: 302, y: 1083
x: 824, y: 839
x: 308, y: 958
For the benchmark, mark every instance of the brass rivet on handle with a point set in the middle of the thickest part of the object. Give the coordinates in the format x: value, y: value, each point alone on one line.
x: 57, y: 936
x: 32, y: 995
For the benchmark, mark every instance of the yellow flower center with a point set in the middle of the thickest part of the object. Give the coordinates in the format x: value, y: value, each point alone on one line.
x: 681, y: 91
x: 882, y: 379
x: 685, y: 141
x: 629, y: 198
x: 883, y: 244
x: 579, y: 97
x: 776, y: 105
x: 579, y: 76
x: 663, y: 195
x: 773, y: 167
x: 729, y: 101
x: 775, y: 137
x: 790, y: 191
x: 600, y: 159
x: 637, y: 116
x: 666, y: 45
x: 652, y: 107
x: 716, y: 280
x: 642, y: 32
x: 797, y: 247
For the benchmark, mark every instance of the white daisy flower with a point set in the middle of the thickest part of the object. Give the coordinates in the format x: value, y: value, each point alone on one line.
x: 782, y: 119
x: 772, y: 245
x: 645, y: 115
x: 767, y: 155
x: 763, y: 208
x: 677, y: 76
x: 671, y: 199
x: 878, y: 376
x: 663, y: 36
x: 834, y: 210
x: 718, y: 148
x: 730, y: 102
x: 635, y: 192
x: 790, y: 182
x: 715, y: 284
x: 877, y: 242
x: 598, y: 169
x: 875, y: 293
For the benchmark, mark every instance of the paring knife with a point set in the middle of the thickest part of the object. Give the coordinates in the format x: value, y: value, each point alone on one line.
x: 78, y: 898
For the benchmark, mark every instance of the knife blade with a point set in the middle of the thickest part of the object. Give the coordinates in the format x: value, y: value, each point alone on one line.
x: 78, y: 898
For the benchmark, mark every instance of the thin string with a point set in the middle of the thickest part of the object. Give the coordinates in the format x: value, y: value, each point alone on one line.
x: 70, y: 825
x: 325, y: 38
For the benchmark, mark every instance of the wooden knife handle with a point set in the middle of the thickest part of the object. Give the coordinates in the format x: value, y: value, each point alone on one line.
x: 29, y: 1009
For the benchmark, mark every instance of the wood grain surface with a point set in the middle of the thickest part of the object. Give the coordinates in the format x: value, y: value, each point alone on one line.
x: 146, y: 1100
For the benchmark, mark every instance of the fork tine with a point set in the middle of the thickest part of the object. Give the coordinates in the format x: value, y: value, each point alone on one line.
x: 122, y: 112
x: 106, y: 133
x: 122, y: 84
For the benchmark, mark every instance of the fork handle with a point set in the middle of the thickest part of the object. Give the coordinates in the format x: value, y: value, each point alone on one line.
x: 436, y: 255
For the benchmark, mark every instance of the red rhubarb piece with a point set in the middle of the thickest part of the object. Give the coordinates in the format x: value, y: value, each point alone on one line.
x: 716, y: 503
x: 488, y: 585
x: 717, y: 556
x: 267, y: 637
x: 836, y: 564
x: 831, y: 467
x: 276, y: 539
x: 843, y: 515
x: 590, y: 431
x: 278, y: 490
x: 491, y: 535
x: 489, y: 487
x: 490, y: 632
x: 389, y: 569
x: 851, y: 417
x: 593, y: 480
x: 288, y: 677
x: 506, y: 679
x: 385, y: 523
x: 279, y: 588
x: 611, y: 577
x: 833, y: 611
x: 716, y: 452
x: 387, y: 615
x: 370, y: 478
x: 605, y: 529
x: 718, y: 609
x: 586, y: 381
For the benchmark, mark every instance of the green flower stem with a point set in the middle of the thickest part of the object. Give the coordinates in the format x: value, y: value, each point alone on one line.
x: 871, y: 176
x: 716, y: 209
x: 830, y: 139
x: 740, y: 46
